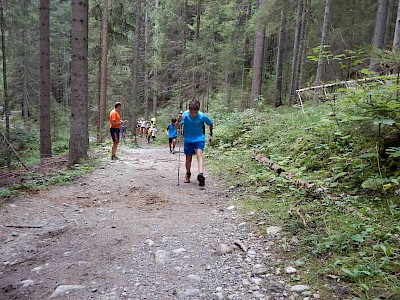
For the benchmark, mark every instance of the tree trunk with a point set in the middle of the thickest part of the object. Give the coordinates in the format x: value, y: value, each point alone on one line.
x: 279, y: 59
x: 321, y: 61
x: 389, y: 28
x: 66, y: 78
x: 196, y: 73
x: 103, y: 84
x: 156, y: 36
x: 246, y: 59
x: 258, y: 60
x: 380, y: 23
x: 25, y: 103
x: 396, y: 38
x: 45, y: 134
x: 155, y: 104
x: 136, y: 60
x: 99, y: 58
x: 183, y: 51
x: 198, y: 14
x: 228, y: 87
x: 5, y: 87
x: 296, y: 52
x: 79, y: 135
x: 146, y: 75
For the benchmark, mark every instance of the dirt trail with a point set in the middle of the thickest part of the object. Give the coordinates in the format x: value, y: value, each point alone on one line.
x: 128, y: 231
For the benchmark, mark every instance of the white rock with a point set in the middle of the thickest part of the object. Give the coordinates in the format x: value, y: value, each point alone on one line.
x: 223, y: 249
x: 161, y: 256
x: 192, y: 293
x: 258, y: 295
x: 251, y: 253
x: 218, y: 296
x: 299, y: 288
x: 179, y: 251
x: 306, y: 293
x: 194, y: 277
x: 230, y: 207
x: 259, y: 269
x: 290, y: 270
x: 26, y: 283
x: 242, y: 224
x: 256, y: 280
x: 62, y: 289
x: 317, y: 296
x: 273, y: 230
x: 149, y: 242
x: 39, y: 269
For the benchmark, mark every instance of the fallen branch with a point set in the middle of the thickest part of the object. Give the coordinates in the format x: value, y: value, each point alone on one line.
x: 13, y: 150
x: 241, y: 245
x: 346, y: 82
x: 301, y: 216
x: 266, y: 161
x: 311, y: 188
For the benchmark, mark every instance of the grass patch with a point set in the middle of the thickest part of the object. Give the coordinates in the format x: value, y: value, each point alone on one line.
x: 349, y: 246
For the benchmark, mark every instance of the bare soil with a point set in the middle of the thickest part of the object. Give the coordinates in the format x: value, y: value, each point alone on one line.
x: 101, y: 235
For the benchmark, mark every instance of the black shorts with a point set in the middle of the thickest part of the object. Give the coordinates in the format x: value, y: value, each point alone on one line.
x: 171, y: 139
x: 115, y: 134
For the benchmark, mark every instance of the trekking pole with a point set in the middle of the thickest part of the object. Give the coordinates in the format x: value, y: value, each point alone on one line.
x: 179, y: 157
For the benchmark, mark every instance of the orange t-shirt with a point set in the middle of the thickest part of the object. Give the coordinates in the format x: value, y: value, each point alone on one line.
x: 114, y: 116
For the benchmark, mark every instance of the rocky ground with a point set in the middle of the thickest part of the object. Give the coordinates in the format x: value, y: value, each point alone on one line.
x: 128, y: 231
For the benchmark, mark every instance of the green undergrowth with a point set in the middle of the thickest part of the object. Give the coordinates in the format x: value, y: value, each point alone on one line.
x: 56, y: 171
x: 35, y: 181
x: 326, y: 177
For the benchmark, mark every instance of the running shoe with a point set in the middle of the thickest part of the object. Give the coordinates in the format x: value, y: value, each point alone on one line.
x: 201, y: 179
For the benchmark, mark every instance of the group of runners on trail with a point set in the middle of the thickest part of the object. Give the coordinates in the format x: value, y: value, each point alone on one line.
x: 148, y: 129
x: 189, y: 124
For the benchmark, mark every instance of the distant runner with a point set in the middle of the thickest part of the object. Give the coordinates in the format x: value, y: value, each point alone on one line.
x: 154, y: 131
x: 172, y: 133
x: 123, y: 130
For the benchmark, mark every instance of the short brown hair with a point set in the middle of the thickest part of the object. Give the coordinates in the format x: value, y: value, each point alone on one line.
x: 194, y: 104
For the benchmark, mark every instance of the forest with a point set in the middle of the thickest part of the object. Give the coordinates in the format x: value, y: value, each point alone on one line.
x: 304, y: 95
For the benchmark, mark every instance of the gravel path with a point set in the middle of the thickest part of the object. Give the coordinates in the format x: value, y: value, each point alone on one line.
x: 128, y: 231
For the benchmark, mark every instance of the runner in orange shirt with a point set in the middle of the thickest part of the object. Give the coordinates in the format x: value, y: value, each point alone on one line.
x: 115, y: 128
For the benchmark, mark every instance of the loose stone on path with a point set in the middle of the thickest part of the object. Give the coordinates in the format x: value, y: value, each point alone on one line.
x: 161, y: 256
x: 259, y: 269
x: 223, y: 249
x: 299, y: 288
x: 273, y: 230
x: 62, y: 289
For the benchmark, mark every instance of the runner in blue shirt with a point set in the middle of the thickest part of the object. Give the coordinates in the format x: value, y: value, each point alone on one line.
x: 172, y: 133
x: 194, y: 138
